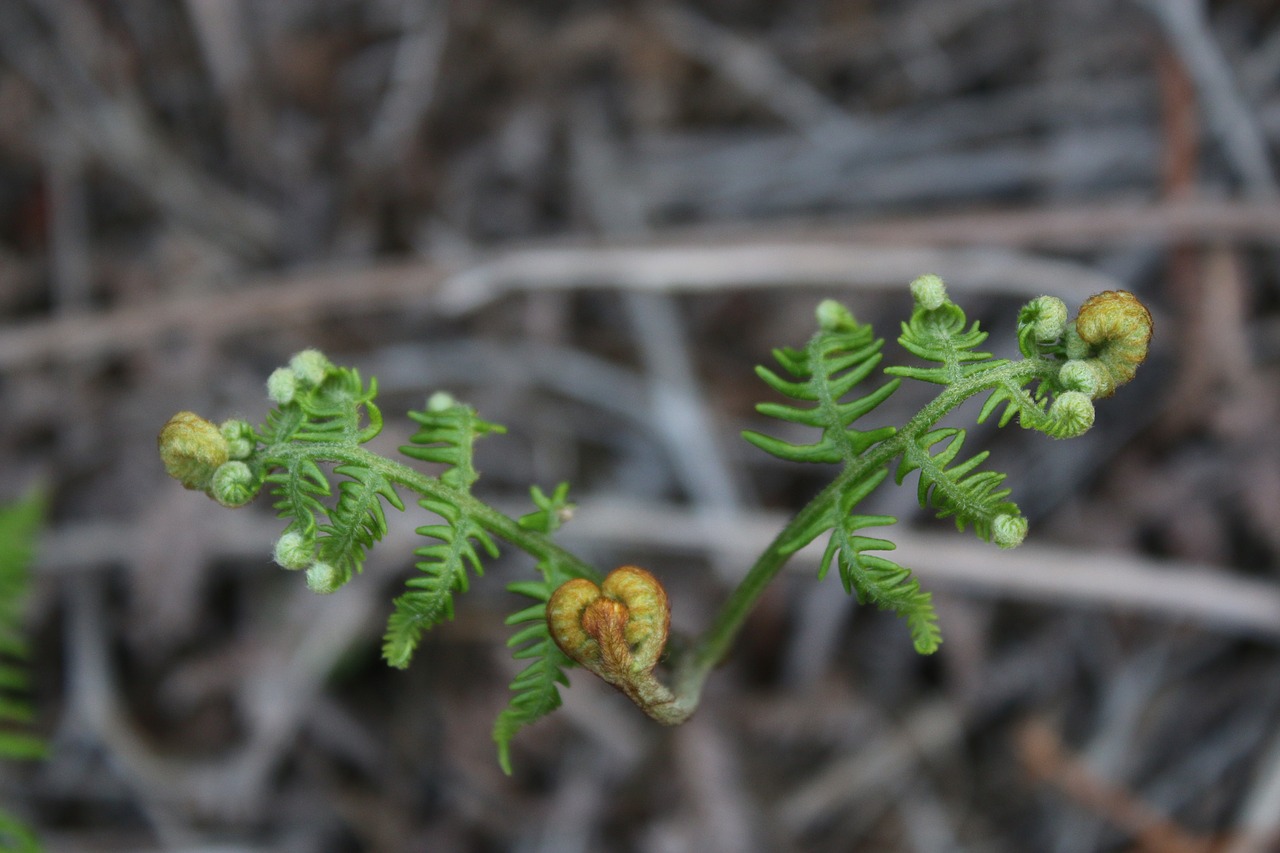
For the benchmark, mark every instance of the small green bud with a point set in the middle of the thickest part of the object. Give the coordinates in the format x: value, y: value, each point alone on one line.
x: 929, y: 292
x: 1073, y: 413
x: 834, y: 317
x: 233, y: 484
x: 325, y: 578
x: 282, y: 386
x: 1080, y: 376
x: 1048, y: 316
x: 192, y: 448
x: 1077, y: 348
x: 1008, y: 531
x: 240, y: 438
x: 441, y: 401
x: 311, y: 367
x: 295, y: 551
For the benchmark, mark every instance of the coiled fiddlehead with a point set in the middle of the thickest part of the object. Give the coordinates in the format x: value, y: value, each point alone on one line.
x: 618, y: 629
x: 1109, y: 339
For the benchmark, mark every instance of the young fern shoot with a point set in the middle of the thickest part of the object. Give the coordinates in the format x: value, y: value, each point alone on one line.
x: 616, y: 626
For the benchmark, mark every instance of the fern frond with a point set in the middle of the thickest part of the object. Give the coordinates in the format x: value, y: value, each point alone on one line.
x: 319, y: 402
x: 958, y: 489
x: 536, y: 690
x: 429, y: 600
x: 873, y: 579
x: 448, y: 436
x: 881, y: 581
x: 298, y: 488
x: 449, y: 431
x: 842, y: 354
x: 357, y: 520
x: 1017, y: 401
x: 334, y: 409
x: 939, y: 335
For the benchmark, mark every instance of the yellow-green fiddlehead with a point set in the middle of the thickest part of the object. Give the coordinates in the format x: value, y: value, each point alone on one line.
x: 1107, y: 342
x: 618, y: 630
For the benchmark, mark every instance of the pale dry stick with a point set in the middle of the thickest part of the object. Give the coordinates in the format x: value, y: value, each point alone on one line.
x: 708, y: 771
x: 296, y: 300
x: 680, y: 416
x: 925, y: 820
x: 818, y: 636
x: 1232, y: 120
x: 95, y: 710
x: 1216, y: 758
x: 411, y: 88
x: 1207, y: 596
x: 1258, y: 820
x: 876, y: 772
x: 1121, y: 154
x: 1121, y: 711
x: 1045, y: 756
x: 962, y: 122
x: 756, y: 71
x: 701, y: 269
x: 1210, y: 597
x: 221, y: 31
x: 1094, y: 226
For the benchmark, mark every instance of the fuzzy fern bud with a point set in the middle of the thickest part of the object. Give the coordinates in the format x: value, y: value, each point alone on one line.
x: 233, y: 484
x: 282, y: 386
x: 1081, y: 375
x: 1050, y: 318
x: 295, y: 551
x: 929, y: 292
x: 311, y: 367
x: 1008, y: 531
x: 1072, y: 414
x: 192, y: 449
x: 240, y: 438
x: 325, y: 578
x: 834, y: 317
x: 441, y: 401
x: 1041, y: 322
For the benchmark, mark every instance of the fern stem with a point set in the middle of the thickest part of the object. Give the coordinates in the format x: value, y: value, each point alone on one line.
x: 715, y: 643
x: 493, y: 521
x: 719, y: 637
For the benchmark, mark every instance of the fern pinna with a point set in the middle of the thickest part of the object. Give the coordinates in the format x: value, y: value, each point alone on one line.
x: 616, y: 626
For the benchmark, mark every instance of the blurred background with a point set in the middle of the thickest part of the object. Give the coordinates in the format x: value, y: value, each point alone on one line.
x: 591, y: 221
